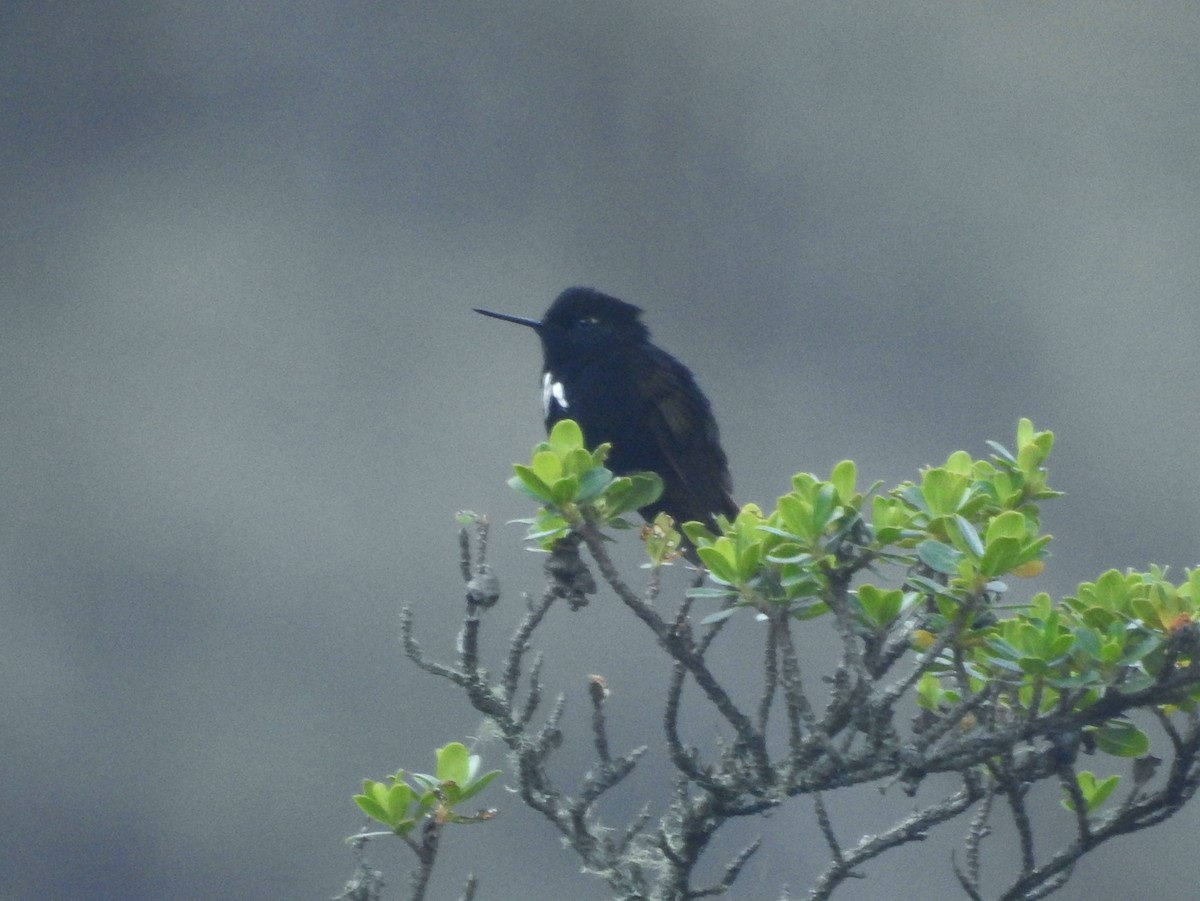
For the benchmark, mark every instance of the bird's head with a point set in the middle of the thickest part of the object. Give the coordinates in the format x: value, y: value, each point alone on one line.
x: 583, y: 323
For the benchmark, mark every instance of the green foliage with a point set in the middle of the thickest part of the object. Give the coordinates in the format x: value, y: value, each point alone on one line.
x: 571, y: 482
x: 953, y: 537
x: 880, y: 608
x: 784, y: 558
x: 1122, y: 739
x: 662, y: 540
x: 967, y: 523
x: 1095, y: 791
x: 392, y: 803
x: 957, y: 533
x: 400, y: 807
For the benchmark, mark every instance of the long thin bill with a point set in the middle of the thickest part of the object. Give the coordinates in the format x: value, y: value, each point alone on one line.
x: 519, y: 320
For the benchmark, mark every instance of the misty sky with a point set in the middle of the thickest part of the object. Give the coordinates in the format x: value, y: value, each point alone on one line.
x: 243, y: 392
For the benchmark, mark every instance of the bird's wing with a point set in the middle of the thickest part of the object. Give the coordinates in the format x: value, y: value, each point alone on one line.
x: 682, y: 424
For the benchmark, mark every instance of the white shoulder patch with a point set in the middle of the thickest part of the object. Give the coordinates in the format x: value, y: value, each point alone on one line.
x: 552, y: 393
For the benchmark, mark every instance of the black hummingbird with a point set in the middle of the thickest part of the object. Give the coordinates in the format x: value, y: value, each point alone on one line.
x: 601, y: 370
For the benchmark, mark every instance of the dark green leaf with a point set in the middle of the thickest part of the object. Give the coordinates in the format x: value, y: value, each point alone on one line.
x: 372, y: 808
x: 530, y: 484
x: 710, y: 593
x: 939, y: 557
x: 1122, y: 739
x: 594, y: 481
x: 1002, y: 452
x: 718, y: 616
x: 913, y: 497
x: 478, y: 785
x: 969, y: 535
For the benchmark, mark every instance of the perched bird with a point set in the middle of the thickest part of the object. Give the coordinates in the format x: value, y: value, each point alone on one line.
x: 601, y: 370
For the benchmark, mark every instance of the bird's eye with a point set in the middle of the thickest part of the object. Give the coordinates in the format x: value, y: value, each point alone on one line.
x: 589, y: 320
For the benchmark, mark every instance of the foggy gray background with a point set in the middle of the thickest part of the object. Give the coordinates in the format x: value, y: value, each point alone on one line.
x: 243, y: 393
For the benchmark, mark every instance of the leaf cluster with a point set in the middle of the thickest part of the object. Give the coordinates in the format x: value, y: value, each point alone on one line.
x: 1001, y: 693
x: 569, y: 480
x: 401, y: 806
x: 955, y: 536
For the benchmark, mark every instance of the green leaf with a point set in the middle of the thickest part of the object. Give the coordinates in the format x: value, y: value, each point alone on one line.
x: 1088, y: 641
x: 563, y: 490
x: 697, y: 533
x: 749, y: 559
x: 968, y: 534
x: 453, y: 763
x: 566, y: 435
x: 718, y: 616
x: 427, y: 782
x: 1002, y: 452
x: 1095, y: 791
x: 1122, y: 739
x: 1139, y: 648
x: 1034, y: 666
x: 822, y: 508
x: 1001, y: 556
x: 1009, y: 524
x: 372, y: 808
x: 933, y: 587
x: 399, y: 796
x: 547, y: 466
x: 1024, y: 432
x: 530, y: 484
x: 552, y: 527
x: 633, y: 492
x: 718, y: 558
x: 796, y: 515
x: 942, y: 491
x: 592, y: 482
x: 929, y: 692
x: 719, y: 593
x: 809, y: 611
x: 1029, y: 458
x: 959, y: 463
x: 577, y: 461
x: 912, y: 496
x: 939, y: 557
x: 478, y: 785
x: 1003, y: 648
x: 800, y: 581
x: 879, y: 606
x: 404, y: 827
x: 793, y: 555
x: 842, y: 477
